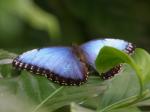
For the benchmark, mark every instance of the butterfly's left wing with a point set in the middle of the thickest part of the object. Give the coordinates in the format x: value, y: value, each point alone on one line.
x: 92, y: 48
x: 59, y: 64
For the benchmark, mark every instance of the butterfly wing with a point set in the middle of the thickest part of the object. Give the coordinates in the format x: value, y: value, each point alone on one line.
x: 56, y: 63
x: 92, y: 48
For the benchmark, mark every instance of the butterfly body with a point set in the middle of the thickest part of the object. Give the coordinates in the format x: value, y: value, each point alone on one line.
x: 67, y: 65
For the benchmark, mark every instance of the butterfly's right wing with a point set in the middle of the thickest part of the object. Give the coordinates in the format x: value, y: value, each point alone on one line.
x: 92, y: 48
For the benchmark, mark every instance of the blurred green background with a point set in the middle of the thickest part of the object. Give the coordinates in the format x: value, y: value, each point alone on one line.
x: 27, y: 24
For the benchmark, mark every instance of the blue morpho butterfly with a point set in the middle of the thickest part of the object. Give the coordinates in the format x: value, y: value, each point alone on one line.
x: 69, y: 65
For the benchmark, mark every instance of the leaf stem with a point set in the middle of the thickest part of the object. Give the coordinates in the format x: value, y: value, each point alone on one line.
x: 46, y: 99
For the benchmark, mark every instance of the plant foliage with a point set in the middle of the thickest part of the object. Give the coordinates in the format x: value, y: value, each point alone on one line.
x: 38, y: 94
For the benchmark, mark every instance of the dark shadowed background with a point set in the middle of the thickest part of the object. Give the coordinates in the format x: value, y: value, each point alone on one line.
x: 27, y: 24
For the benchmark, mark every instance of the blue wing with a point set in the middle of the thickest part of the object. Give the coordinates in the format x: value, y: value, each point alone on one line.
x: 60, y: 62
x: 92, y: 48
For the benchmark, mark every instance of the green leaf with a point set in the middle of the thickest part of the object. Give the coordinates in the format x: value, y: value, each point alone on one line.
x: 142, y: 58
x: 110, y: 57
x: 139, y: 61
x: 6, y: 58
x: 128, y: 109
x: 38, y: 88
x: 6, y: 55
x: 125, y: 85
x: 77, y: 108
x: 32, y: 13
x: 37, y: 17
x: 5, y: 71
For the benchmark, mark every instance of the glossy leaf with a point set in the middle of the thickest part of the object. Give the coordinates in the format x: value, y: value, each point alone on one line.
x: 110, y: 57
x: 142, y: 58
x: 121, y: 87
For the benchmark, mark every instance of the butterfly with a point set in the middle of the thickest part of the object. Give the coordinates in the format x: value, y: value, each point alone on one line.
x: 69, y: 65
